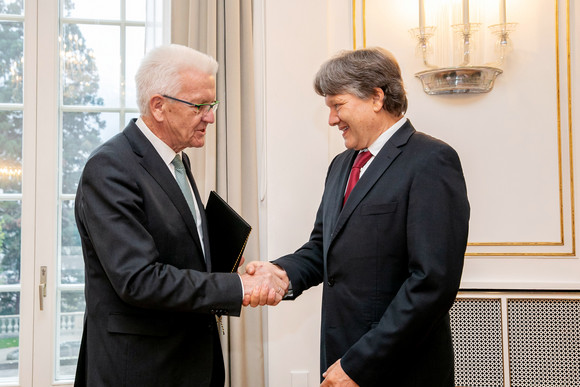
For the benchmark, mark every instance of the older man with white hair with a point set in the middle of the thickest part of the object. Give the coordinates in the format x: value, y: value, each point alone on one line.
x: 150, y: 294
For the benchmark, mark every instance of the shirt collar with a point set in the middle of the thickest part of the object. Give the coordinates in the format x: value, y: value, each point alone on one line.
x: 164, y: 150
x: 376, y: 146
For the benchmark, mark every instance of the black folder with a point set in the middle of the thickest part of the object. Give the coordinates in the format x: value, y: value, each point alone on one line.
x: 228, y: 234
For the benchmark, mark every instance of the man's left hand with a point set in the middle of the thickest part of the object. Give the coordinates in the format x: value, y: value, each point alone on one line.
x: 335, y: 376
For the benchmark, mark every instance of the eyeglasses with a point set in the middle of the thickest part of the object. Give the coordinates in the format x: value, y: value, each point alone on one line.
x: 200, y: 108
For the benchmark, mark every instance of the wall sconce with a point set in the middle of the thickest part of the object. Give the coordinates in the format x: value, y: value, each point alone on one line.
x: 467, y: 77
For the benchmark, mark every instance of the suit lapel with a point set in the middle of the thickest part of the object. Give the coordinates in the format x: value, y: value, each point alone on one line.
x: 154, y: 165
x: 337, y: 183
x: 376, y: 169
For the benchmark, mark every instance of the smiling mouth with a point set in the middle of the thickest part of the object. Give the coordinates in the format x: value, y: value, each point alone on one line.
x: 343, y: 130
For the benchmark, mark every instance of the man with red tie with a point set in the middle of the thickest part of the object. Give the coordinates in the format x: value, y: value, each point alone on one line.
x: 389, y: 238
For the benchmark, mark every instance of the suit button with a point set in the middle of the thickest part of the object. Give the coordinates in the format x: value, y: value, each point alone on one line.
x: 330, y: 282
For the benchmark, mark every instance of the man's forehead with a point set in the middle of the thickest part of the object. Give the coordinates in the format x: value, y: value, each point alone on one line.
x: 195, y: 76
x: 198, y: 83
x: 336, y: 98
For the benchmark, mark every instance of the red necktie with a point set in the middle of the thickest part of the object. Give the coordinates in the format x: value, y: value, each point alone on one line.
x: 359, y: 162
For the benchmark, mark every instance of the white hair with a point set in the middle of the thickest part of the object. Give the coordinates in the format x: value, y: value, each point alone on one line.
x: 161, y: 68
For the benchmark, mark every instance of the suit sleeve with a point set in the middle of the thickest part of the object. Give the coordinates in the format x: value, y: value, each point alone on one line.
x: 305, y: 267
x: 437, y: 226
x: 117, y: 242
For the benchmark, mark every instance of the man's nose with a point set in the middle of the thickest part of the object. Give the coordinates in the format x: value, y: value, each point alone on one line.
x: 209, y: 117
x: 333, y: 118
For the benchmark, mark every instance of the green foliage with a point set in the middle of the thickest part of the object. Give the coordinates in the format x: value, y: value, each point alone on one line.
x: 10, y: 216
x: 81, y: 131
x: 9, y: 342
x: 9, y: 303
x: 11, y: 66
x: 71, y: 301
x: 11, y: 49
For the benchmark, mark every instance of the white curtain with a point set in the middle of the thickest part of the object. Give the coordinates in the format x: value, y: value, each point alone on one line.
x: 228, y: 162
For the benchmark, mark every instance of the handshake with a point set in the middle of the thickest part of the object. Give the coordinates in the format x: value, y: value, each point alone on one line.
x: 264, y: 284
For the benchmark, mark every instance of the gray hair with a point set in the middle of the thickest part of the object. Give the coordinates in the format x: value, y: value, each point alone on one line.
x: 359, y: 72
x: 161, y: 68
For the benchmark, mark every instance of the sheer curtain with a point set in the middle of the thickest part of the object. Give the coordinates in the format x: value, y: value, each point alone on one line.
x: 158, y: 23
x: 228, y: 162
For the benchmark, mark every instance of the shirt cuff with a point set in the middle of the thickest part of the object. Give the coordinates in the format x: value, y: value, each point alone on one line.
x: 242, y: 284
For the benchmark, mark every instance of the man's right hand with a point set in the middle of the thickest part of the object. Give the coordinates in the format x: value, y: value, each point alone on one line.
x: 264, y: 284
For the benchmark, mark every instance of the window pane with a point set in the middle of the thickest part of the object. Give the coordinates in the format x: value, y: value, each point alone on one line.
x: 72, y: 306
x: 112, y: 126
x: 129, y: 117
x: 72, y: 270
x: 135, y: 51
x: 10, y: 242
x: 91, y: 65
x: 136, y: 10
x: 10, y: 216
x: 91, y: 9
x: 11, y: 151
x: 12, y: 7
x: 81, y: 134
x: 9, y: 328
x: 11, y: 60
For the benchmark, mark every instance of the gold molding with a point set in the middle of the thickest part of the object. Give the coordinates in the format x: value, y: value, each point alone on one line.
x: 560, y: 157
x: 560, y: 162
x: 364, y: 24
x: 570, y: 137
x: 364, y: 15
x: 354, y: 24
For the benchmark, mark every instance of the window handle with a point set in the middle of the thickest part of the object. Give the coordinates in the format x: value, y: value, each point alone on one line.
x: 42, y: 287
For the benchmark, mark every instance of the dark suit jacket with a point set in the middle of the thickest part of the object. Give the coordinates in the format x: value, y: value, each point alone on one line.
x: 390, y: 262
x: 150, y: 297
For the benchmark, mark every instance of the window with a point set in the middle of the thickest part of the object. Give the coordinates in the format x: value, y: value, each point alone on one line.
x: 11, y: 111
x: 66, y: 85
x: 101, y: 44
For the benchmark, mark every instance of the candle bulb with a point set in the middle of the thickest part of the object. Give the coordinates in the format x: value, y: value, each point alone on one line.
x: 421, y: 17
x: 466, y: 12
x: 502, y: 19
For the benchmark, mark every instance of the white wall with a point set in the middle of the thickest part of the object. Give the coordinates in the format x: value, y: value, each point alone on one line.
x: 295, y: 146
x: 519, y: 177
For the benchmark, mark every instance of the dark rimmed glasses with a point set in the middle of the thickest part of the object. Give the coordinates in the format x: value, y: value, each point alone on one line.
x: 200, y: 108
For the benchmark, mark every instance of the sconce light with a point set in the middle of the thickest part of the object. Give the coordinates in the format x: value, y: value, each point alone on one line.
x: 467, y: 77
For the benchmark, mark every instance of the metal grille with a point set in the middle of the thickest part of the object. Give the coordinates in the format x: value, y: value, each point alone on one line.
x: 544, y: 342
x: 477, y: 342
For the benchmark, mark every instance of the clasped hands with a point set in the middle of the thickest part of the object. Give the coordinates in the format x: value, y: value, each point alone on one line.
x: 264, y: 284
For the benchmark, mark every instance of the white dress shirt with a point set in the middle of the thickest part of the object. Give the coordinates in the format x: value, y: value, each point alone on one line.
x: 376, y: 146
x: 167, y: 155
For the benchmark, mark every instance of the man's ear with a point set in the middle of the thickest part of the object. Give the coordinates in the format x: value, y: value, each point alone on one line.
x: 378, y: 99
x: 156, y: 104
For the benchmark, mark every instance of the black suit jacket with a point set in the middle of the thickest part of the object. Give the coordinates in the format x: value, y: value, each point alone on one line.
x: 390, y: 262
x: 150, y: 298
